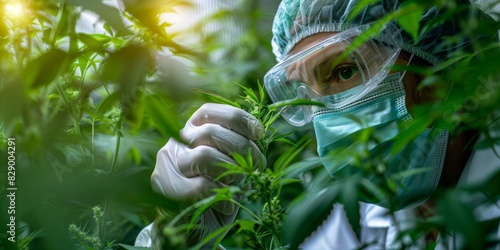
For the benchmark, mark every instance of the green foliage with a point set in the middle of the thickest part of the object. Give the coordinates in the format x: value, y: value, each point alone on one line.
x: 83, y: 237
x: 465, y: 84
x: 262, y: 203
x: 86, y: 239
x: 411, y: 21
x: 89, y: 112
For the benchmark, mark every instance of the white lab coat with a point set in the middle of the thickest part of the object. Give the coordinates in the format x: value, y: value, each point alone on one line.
x: 376, y: 227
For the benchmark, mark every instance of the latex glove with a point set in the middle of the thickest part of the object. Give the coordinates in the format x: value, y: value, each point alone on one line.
x: 185, y: 172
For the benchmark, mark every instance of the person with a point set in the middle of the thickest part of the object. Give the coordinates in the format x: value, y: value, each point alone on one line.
x: 309, y: 41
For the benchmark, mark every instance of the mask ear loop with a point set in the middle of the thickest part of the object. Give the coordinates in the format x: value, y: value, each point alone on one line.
x: 407, y: 66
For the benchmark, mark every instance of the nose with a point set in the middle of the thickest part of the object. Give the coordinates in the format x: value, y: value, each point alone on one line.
x: 302, y: 72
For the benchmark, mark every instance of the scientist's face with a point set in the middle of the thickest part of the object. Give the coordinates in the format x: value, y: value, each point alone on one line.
x: 326, y: 71
x: 345, y: 76
x: 323, y: 73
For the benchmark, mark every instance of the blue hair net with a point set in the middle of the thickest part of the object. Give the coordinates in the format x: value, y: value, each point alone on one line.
x: 298, y: 19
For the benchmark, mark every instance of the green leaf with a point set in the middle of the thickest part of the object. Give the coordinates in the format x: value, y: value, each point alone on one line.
x: 218, y: 98
x: 92, y: 43
x: 283, y: 182
x: 371, y: 32
x: 13, y: 99
x: 487, y: 142
x: 44, y: 69
x: 491, y: 186
x: 415, y: 128
x: 130, y: 216
x: 452, y: 61
x: 303, y: 166
x: 246, y: 225
x: 146, y: 12
x: 110, y: 14
x: 286, y: 158
x: 83, y: 60
x: 296, y: 102
x: 108, y: 103
x: 409, y: 172
x: 360, y: 6
x: 164, y: 116
x: 308, y: 213
x: 249, y: 94
x: 411, y: 21
x: 356, y: 119
x: 269, y: 120
x: 284, y: 140
x: 127, y: 66
x: 221, y: 195
x: 373, y: 192
x: 262, y: 94
x: 350, y: 200
x: 219, y: 234
x: 460, y: 217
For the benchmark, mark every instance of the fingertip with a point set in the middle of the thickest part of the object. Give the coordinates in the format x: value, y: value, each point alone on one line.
x: 156, y: 185
x: 258, y: 129
x: 254, y: 126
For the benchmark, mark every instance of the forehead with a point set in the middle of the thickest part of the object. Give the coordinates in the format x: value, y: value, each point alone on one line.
x: 328, y: 50
x: 310, y: 41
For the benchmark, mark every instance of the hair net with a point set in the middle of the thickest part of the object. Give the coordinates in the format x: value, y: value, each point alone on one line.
x: 297, y: 19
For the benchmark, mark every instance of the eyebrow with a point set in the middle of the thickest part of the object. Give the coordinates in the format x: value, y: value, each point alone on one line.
x: 329, y: 57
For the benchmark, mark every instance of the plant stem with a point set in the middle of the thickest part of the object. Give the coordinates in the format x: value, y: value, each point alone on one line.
x: 111, y: 171
x: 246, y: 209
x: 105, y: 219
x: 117, y: 144
x: 92, y: 146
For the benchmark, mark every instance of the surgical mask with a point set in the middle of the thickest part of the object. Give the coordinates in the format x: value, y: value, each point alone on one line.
x: 382, y: 113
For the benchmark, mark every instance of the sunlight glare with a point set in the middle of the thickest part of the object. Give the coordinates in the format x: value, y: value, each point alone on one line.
x: 14, y: 10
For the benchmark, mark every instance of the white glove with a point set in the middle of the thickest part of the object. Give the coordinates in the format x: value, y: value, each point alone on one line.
x: 186, y: 172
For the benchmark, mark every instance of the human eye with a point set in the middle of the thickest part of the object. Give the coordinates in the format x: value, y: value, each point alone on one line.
x: 346, y: 72
x: 339, y: 78
x: 341, y: 74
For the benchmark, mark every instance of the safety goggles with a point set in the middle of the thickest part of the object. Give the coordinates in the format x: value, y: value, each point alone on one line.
x: 337, y: 66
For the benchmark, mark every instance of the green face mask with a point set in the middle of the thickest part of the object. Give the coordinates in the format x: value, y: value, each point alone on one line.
x: 383, y: 111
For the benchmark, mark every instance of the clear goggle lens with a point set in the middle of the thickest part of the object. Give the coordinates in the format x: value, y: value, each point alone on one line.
x: 333, y: 67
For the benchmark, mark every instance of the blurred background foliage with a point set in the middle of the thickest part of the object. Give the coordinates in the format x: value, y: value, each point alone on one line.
x: 91, y: 90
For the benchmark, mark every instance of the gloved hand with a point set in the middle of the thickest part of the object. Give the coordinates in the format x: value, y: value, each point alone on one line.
x: 186, y: 172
